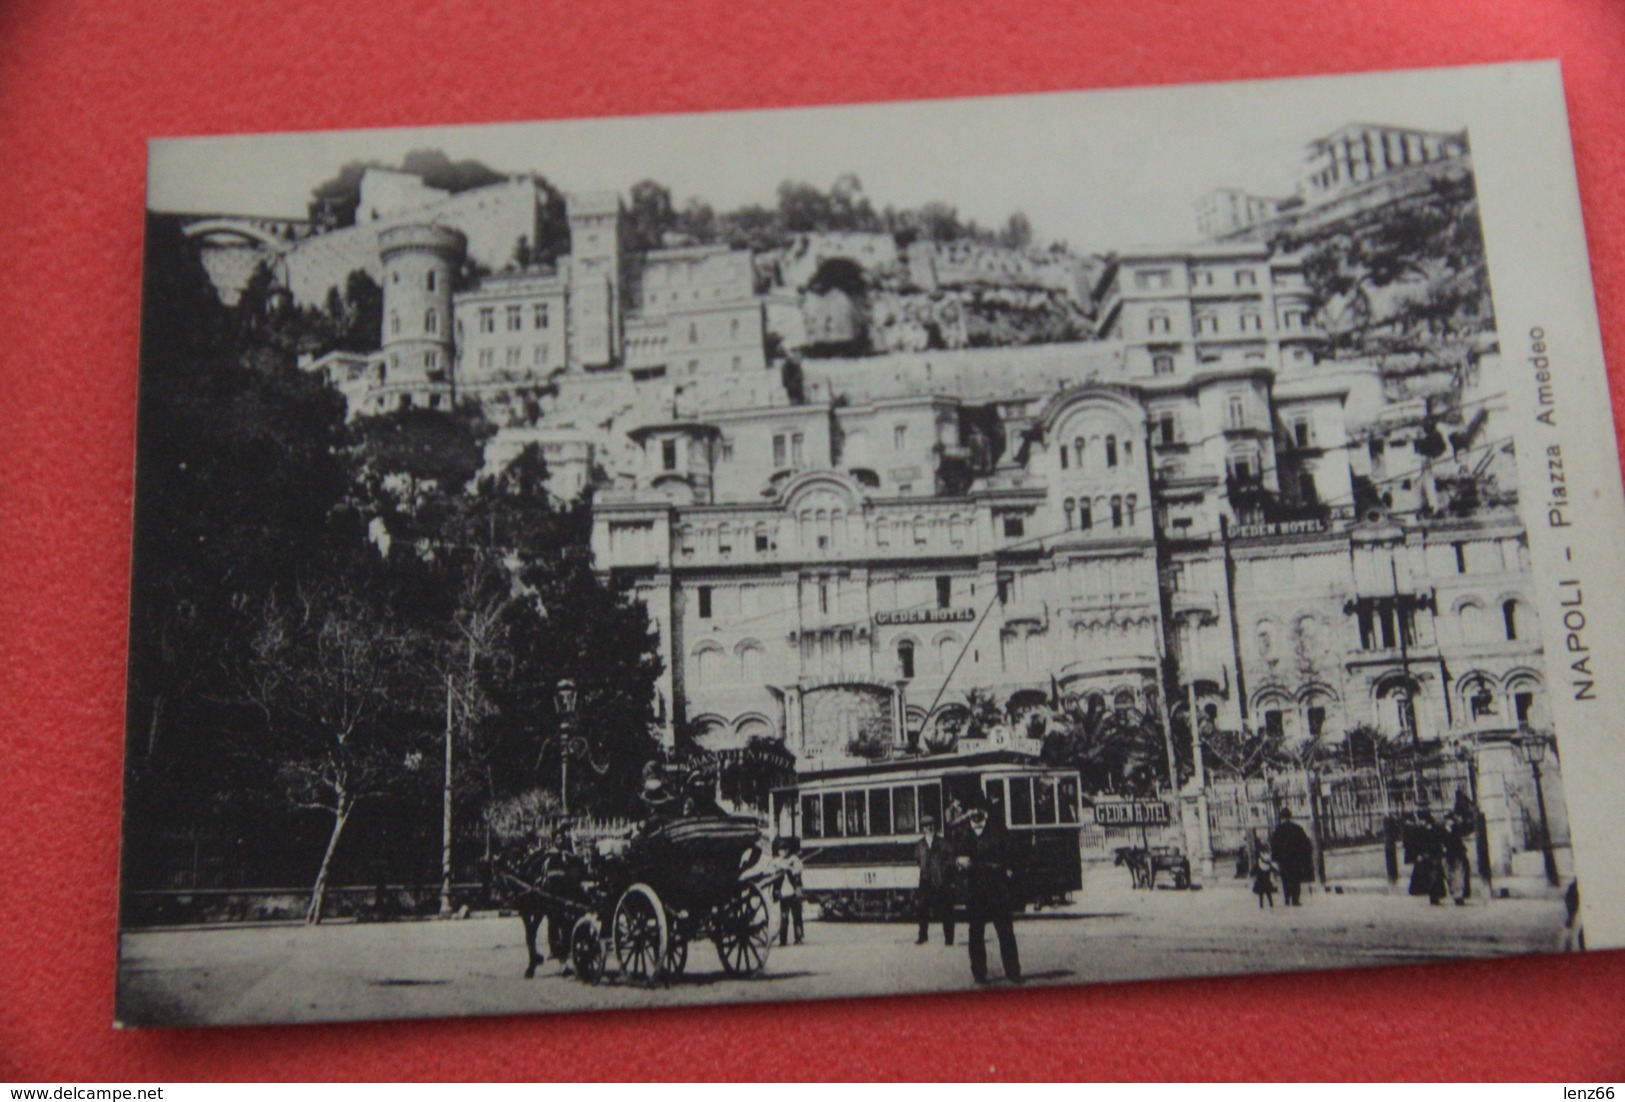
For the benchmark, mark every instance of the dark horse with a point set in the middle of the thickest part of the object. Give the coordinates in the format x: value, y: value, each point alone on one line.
x: 543, y: 883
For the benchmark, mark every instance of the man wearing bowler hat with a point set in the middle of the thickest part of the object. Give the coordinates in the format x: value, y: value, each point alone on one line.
x: 984, y: 858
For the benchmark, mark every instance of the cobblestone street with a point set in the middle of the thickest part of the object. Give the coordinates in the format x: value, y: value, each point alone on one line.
x: 431, y: 969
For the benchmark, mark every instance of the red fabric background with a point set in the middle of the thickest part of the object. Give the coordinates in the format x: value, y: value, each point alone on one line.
x: 84, y: 83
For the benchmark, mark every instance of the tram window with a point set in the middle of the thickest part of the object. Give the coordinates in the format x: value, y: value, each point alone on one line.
x: 812, y: 823
x: 931, y: 804
x: 856, y: 808
x: 1021, y: 801
x: 880, y: 811
x: 832, y: 815
x: 995, y: 796
x: 1067, y: 797
x: 1044, y: 800
x: 902, y: 806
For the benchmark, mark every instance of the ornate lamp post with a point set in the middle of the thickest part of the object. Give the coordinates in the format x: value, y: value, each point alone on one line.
x: 1532, y: 747
x: 564, y: 706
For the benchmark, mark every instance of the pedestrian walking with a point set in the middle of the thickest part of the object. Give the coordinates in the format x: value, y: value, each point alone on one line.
x: 934, y: 899
x: 787, y: 887
x: 1294, y: 857
x: 982, y: 855
x: 1426, y: 843
x: 1264, y: 879
x: 1458, y: 870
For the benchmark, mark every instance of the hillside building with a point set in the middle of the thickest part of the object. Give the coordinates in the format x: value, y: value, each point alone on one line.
x: 1195, y: 509
x: 1355, y: 169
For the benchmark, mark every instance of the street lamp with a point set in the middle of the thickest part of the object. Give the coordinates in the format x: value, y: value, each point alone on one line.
x: 564, y: 706
x: 564, y: 699
x: 1532, y: 748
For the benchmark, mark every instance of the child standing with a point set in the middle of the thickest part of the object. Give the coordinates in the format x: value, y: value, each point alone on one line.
x: 1264, y: 878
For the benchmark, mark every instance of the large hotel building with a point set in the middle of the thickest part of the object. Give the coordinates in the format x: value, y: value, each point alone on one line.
x: 1198, y: 505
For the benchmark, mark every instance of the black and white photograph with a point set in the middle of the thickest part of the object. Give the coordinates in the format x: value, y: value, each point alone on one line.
x: 863, y: 550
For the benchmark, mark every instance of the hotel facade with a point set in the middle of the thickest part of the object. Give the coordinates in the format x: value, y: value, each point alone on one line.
x: 1196, y: 508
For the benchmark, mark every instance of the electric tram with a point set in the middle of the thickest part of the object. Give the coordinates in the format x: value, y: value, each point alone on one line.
x: 858, y: 826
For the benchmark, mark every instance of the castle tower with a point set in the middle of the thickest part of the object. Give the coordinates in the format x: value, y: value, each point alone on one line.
x: 596, y: 230
x: 419, y: 347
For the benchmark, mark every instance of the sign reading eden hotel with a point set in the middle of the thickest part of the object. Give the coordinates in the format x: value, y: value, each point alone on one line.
x: 926, y: 616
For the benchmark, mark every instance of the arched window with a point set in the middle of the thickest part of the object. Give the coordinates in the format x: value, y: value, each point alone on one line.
x: 1306, y: 488
x: 394, y: 322
x: 1066, y: 458
x: 750, y: 662
x: 708, y: 666
x: 1472, y: 622
x: 1077, y: 448
x: 1068, y: 509
x: 905, y: 659
x: 1129, y: 502
x: 1509, y: 614
x: 1117, y: 512
x: 431, y: 321
x: 947, y: 652
x: 1111, y: 451
x: 1086, y: 519
x: 429, y: 281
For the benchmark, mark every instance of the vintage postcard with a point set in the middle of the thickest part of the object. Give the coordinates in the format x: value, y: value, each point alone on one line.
x: 875, y: 549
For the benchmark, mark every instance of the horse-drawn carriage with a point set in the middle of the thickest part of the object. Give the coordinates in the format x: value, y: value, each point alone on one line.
x: 641, y: 903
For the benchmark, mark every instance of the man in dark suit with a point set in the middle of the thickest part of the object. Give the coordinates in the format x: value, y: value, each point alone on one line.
x: 935, y: 898
x: 983, y: 855
x: 1294, y: 858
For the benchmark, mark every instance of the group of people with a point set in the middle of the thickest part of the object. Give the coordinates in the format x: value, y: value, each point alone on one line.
x: 978, y: 854
x: 1437, y: 852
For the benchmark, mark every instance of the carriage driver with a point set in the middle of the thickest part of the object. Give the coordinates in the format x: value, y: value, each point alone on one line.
x: 563, y: 873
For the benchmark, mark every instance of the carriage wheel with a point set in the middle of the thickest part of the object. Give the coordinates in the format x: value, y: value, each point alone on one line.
x: 641, y: 938
x: 676, y: 955
x: 587, y: 955
x: 744, y: 932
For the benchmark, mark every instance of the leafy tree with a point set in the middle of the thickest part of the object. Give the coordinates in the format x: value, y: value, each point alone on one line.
x: 1017, y: 232
x: 650, y: 216
x: 1113, y: 749
x: 242, y: 485
x: 1408, y: 279
x: 413, y: 463
x: 803, y: 208
x: 328, y: 671
x: 698, y: 221
x: 564, y: 622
